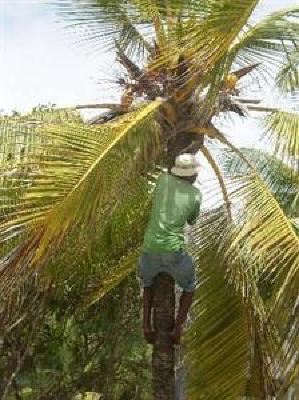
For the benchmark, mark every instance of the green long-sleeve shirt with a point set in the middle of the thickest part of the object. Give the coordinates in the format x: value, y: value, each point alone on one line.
x: 175, y: 203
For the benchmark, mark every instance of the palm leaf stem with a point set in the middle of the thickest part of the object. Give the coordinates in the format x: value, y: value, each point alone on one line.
x: 247, y: 101
x: 111, y: 106
x: 262, y: 109
x: 218, y: 174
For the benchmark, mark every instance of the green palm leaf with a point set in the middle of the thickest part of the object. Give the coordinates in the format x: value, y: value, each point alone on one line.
x: 126, y: 266
x: 270, y: 40
x: 212, y: 36
x: 265, y: 232
x: 218, y: 339
x: 288, y: 76
x: 268, y: 240
x: 81, y: 170
x: 92, y: 271
x: 282, y: 131
x: 129, y: 23
x: 209, y: 27
x: 229, y: 318
x: 279, y: 177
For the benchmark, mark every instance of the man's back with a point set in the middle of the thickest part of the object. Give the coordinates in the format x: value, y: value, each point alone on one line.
x: 175, y: 203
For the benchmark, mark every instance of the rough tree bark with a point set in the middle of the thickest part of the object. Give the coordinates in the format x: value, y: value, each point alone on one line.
x: 180, y: 373
x: 163, y: 359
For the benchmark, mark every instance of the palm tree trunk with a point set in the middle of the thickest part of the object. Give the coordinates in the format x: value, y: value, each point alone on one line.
x: 180, y: 384
x: 180, y: 375
x: 163, y: 359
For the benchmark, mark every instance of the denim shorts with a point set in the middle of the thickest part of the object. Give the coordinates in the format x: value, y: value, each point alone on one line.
x: 178, y: 264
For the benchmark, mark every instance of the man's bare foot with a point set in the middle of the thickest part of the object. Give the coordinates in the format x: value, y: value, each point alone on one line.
x: 149, y: 335
x: 177, y: 333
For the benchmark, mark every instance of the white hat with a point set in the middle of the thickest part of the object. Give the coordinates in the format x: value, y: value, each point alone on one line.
x: 185, y: 165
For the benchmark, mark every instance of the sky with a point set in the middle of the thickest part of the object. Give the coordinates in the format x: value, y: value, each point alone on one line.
x: 42, y: 61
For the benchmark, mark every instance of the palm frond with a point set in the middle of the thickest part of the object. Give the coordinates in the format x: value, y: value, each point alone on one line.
x: 230, y: 321
x: 282, y: 131
x: 218, y: 339
x: 264, y: 231
x: 133, y: 42
x: 125, y: 267
x: 268, y: 41
x: 210, y: 37
x: 131, y: 23
x: 116, y: 250
x: 280, y: 178
x: 210, y: 29
x: 267, y: 239
x: 79, y: 170
x: 287, y: 78
x: 219, y: 177
x: 206, y: 41
x: 106, y: 22
x: 84, y: 271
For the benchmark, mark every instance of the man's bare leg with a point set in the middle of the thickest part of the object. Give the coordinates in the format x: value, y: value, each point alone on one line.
x: 185, y: 303
x: 147, y: 315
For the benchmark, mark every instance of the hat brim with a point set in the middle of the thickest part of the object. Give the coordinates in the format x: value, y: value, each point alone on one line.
x: 184, y: 171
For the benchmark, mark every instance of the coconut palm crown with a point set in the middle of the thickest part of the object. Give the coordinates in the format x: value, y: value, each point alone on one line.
x: 185, y: 64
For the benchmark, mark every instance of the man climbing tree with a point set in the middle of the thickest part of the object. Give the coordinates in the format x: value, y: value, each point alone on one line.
x: 176, y: 201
